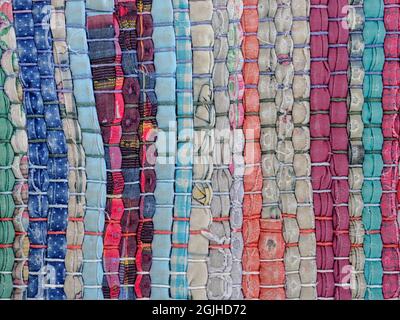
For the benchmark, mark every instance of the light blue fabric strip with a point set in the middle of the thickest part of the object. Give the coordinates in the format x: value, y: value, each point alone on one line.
x: 93, y: 146
x: 184, y: 155
x: 165, y: 68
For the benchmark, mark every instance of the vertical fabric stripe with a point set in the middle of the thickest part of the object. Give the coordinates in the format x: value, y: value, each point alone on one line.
x: 148, y: 131
x: 254, y: 245
x: 19, y: 142
x: 204, y: 123
x: 92, y: 272
x: 7, y: 154
x: 356, y: 151
x: 236, y: 117
x: 184, y: 152
x: 126, y: 15
x: 276, y: 100
x: 73, y: 286
x: 338, y: 59
x: 373, y: 60
x: 165, y: 86
x: 38, y: 151
x: 219, y: 264
x: 390, y: 153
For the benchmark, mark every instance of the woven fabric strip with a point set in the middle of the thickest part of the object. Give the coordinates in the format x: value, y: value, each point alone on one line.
x: 8, y: 96
x: 373, y: 61
x: 95, y: 168
x: 184, y: 152
x: 356, y: 148
x: 19, y: 143
x: 299, y: 224
x: 165, y: 86
x: 320, y: 147
x: 126, y: 15
x: 302, y: 161
x: 338, y: 61
x: 57, y: 165
x: 148, y: 133
x: 219, y: 264
x: 202, y: 33
x: 276, y: 103
x: 38, y: 151
x: 105, y: 60
x: 73, y: 286
x: 236, y: 117
x: 390, y: 152
x: 254, y: 245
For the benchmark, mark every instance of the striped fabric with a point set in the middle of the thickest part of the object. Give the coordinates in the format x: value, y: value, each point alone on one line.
x: 148, y: 128
x: 105, y: 60
x: 184, y: 153
x: 126, y: 15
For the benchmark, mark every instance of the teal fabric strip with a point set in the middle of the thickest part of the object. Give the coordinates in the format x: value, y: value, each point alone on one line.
x: 356, y: 152
x: 373, y: 60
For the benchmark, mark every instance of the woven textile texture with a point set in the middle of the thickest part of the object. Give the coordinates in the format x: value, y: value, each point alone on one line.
x: 373, y: 60
x: 199, y: 149
x: 19, y: 142
x: 252, y: 179
x: 165, y: 70
x: 236, y: 117
x: 356, y: 148
x: 92, y: 270
x: 320, y: 147
x: 390, y: 153
x: 126, y: 16
x: 8, y: 152
x: 73, y: 286
x: 38, y: 151
x: 219, y: 284
x: 202, y: 34
x: 105, y: 60
x: 184, y: 153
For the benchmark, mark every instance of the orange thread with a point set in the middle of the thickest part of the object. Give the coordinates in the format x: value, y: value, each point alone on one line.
x: 325, y: 244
